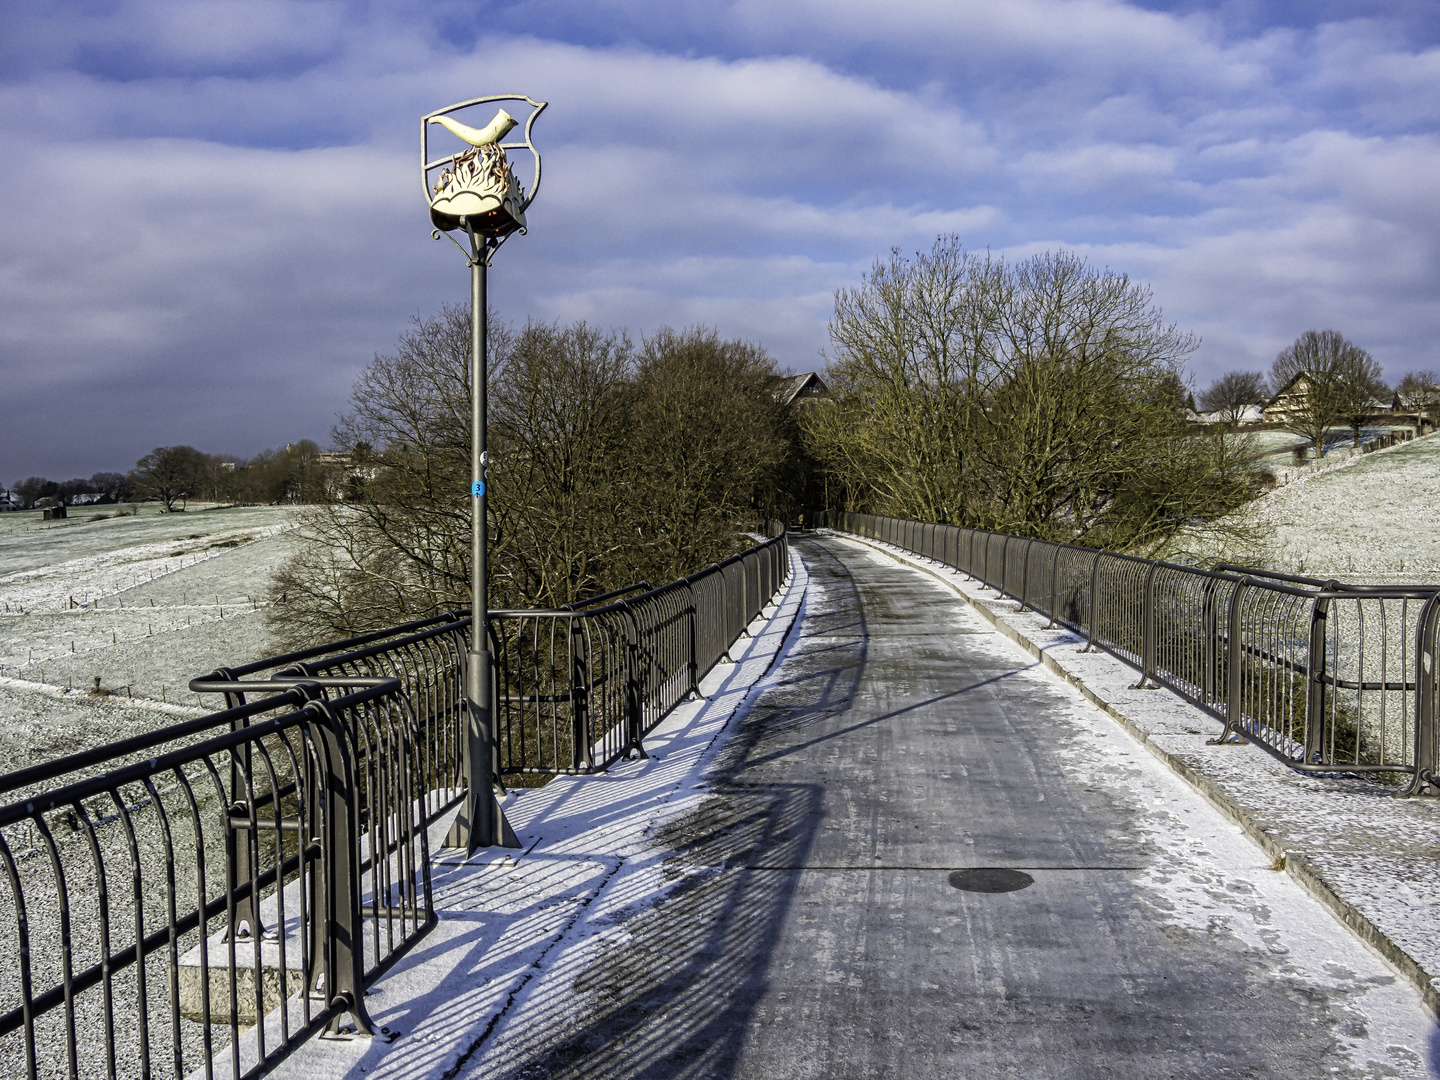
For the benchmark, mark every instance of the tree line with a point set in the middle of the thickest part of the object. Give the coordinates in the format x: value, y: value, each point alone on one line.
x: 175, y: 475
x: 1043, y: 397
x: 610, y: 462
x: 36, y: 491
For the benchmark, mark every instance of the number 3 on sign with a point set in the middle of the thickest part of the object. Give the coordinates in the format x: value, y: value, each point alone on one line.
x: 477, y: 489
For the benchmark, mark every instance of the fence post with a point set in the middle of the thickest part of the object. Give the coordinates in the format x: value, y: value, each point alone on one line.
x: 1147, y: 632
x: 1234, y: 665
x: 1094, y: 601
x: 1425, y: 685
x: 1315, y: 679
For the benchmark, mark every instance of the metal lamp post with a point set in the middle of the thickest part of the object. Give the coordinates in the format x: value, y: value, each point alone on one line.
x: 477, y: 194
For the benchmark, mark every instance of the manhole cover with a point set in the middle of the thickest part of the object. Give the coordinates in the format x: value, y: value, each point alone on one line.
x: 991, y: 879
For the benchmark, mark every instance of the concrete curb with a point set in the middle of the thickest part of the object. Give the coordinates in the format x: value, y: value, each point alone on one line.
x: 1294, y: 863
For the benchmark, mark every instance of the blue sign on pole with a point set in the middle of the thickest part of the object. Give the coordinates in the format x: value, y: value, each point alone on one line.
x: 477, y: 489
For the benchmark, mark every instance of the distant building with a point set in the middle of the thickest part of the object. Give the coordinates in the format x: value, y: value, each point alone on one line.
x: 1286, y: 404
x: 340, y: 472
x: 1289, y: 400
x: 806, y: 389
x: 8, y: 500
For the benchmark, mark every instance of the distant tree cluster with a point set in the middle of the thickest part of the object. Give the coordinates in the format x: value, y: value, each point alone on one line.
x: 1042, y: 398
x: 36, y: 491
x: 609, y: 463
x: 174, y: 475
x: 1322, y: 380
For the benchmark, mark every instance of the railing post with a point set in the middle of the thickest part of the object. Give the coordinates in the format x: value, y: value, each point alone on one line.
x: 1426, y: 678
x: 1094, y: 601
x: 1315, y: 679
x: 694, y: 654
x: 1147, y: 632
x: 1234, y: 664
x: 1025, y: 572
x: 1055, y: 587
x: 634, y: 696
x: 581, y: 742
x: 343, y: 951
x: 1210, y: 659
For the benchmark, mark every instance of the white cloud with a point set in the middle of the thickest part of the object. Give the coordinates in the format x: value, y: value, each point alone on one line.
x: 224, y: 208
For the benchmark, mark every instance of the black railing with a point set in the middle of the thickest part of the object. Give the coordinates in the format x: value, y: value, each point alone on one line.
x: 579, y: 688
x: 205, y: 897
x: 169, y: 892
x: 1329, y: 677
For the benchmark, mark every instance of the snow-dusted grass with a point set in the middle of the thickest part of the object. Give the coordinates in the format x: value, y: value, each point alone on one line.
x: 142, y: 603
x: 1374, y: 520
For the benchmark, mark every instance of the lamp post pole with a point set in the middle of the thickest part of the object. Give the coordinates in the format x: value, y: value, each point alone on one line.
x: 477, y: 192
x: 480, y: 823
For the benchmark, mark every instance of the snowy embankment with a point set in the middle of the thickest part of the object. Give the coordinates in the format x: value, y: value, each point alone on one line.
x: 142, y: 604
x: 1372, y: 519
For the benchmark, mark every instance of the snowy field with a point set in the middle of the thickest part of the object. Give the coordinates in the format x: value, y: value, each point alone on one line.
x: 1374, y: 519
x: 142, y: 603
x: 1277, y: 448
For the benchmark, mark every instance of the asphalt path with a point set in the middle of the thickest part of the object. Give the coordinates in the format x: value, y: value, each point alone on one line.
x: 923, y: 856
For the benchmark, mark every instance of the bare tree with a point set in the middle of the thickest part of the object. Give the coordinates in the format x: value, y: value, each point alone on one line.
x: 1321, y: 380
x: 910, y: 370
x: 605, y: 467
x: 167, y: 473
x: 558, y: 428
x: 706, y: 435
x: 1362, y: 389
x: 1042, y: 398
x: 1233, y: 393
x: 1419, y: 392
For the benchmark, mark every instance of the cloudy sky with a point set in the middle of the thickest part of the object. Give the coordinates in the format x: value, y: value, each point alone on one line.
x: 211, y: 217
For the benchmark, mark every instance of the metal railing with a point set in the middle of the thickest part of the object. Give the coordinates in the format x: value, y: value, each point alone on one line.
x: 578, y: 688
x: 205, y: 897
x: 168, y: 893
x: 1331, y: 678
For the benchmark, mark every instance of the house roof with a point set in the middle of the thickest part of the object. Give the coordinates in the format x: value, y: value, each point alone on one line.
x: 790, y: 387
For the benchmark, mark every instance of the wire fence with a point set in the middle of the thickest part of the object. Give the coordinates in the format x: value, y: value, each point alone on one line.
x: 201, y: 899
x: 1331, y: 678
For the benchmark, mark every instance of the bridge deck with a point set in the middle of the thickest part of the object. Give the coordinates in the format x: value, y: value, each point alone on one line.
x: 799, y: 919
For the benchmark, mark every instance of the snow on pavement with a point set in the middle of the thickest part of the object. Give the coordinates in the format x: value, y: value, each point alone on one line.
x: 1368, y: 856
x: 582, y: 838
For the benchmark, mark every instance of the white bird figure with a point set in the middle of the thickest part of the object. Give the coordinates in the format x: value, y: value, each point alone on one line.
x: 492, y: 132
